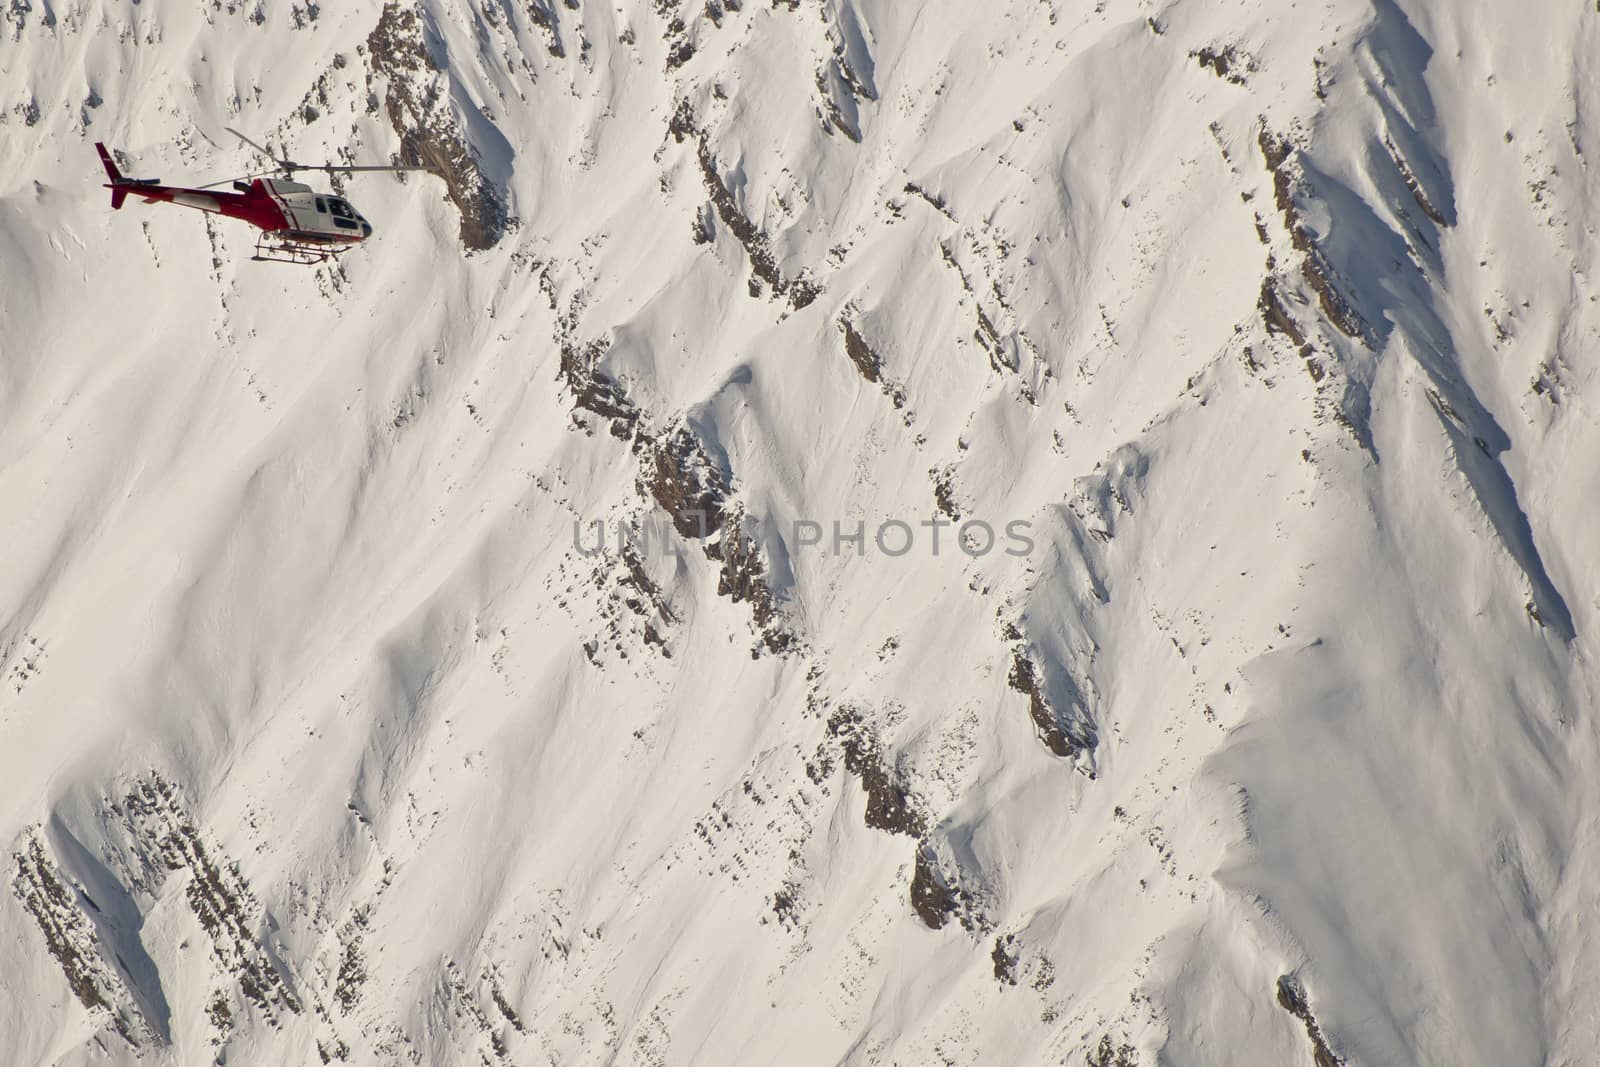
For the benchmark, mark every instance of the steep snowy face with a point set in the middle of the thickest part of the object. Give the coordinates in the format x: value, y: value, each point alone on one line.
x: 842, y: 531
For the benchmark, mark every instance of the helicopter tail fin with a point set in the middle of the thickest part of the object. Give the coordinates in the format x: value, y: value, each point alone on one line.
x: 119, y: 192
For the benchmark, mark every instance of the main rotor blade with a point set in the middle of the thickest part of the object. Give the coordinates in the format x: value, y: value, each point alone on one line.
x: 326, y: 168
x: 284, y: 163
x: 331, y: 168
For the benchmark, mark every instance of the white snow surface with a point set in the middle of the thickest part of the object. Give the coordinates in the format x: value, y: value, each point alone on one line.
x: 321, y: 740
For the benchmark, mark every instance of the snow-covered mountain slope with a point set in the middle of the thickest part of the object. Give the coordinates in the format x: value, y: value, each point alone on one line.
x: 1266, y: 737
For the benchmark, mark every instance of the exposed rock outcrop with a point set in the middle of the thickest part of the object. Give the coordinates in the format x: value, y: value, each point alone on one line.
x: 1066, y: 733
x: 1292, y: 999
x: 417, y: 103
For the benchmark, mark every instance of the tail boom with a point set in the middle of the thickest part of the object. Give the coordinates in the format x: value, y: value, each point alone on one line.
x: 256, y: 205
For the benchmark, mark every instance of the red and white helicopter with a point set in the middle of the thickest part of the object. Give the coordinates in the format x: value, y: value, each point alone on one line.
x: 297, y: 224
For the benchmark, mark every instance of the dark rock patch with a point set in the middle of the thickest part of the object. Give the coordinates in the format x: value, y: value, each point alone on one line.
x: 1111, y: 1053
x: 71, y: 940
x: 418, y: 106
x: 1227, y: 62
x: 681, y: 476
x: 1314, y: 267
x: 1006, y: 958
x: 595, y: 391
x: 861, y: 354
x: 891, y: 805
x: 802, y: 291
x: 1292, y: 999
x: 167, y: 840
x: 932, y: 897
x: 1066, y: 736
x: 744, y: 581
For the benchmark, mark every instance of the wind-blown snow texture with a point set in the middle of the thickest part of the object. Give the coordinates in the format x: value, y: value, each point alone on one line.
x: 320, y: 738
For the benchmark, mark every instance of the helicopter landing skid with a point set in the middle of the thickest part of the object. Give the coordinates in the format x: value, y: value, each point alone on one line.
x: 270, y: 248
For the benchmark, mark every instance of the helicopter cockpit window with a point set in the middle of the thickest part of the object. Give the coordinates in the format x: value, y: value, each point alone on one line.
x: 343, y: 216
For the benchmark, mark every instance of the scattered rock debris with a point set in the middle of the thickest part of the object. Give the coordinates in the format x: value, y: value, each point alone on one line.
x: 72, y: 941
x: 763, y: 262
